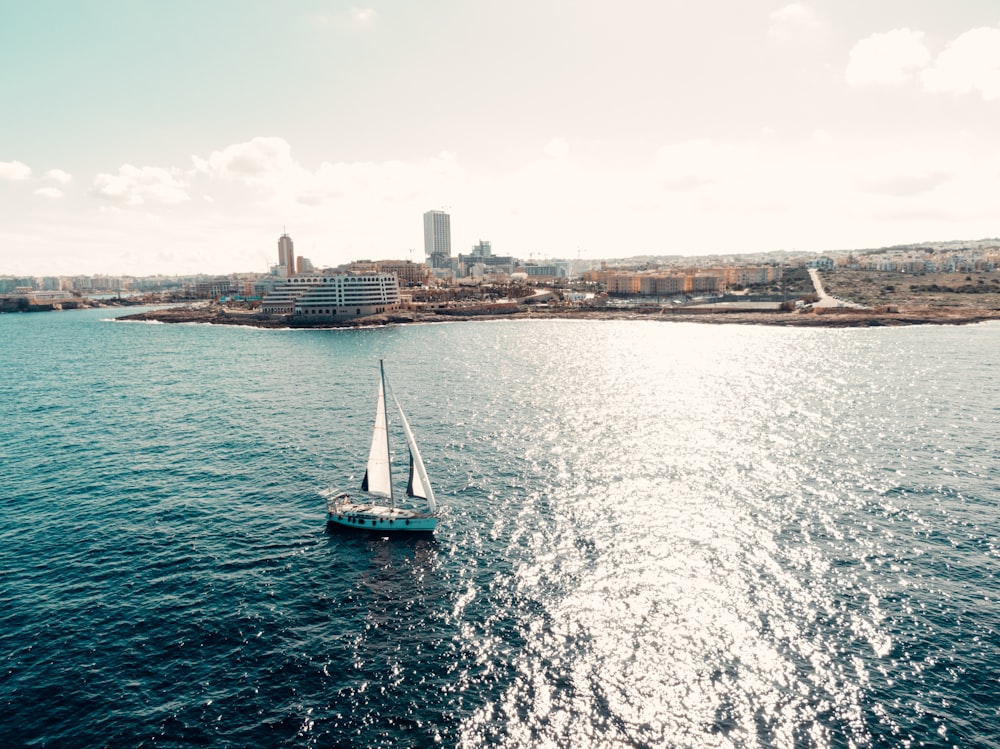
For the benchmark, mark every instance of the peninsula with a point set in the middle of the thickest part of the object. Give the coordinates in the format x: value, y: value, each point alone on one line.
x: 834, y: 297
x: 834, y: 317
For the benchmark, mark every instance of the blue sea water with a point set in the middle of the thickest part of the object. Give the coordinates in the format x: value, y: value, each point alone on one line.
x: 654, y: 534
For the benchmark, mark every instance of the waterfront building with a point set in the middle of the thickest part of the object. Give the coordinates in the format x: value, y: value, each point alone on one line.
x: 9, y: 285
x: 213, y: 289
x: 323, y: 298
x: 437, y: 238
x: 27, y: 298
x: 286, y: 256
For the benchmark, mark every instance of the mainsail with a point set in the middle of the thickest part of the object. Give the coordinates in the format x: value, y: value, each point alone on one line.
x: 377, y: 479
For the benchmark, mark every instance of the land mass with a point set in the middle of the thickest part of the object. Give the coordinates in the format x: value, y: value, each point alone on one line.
x: 817, y: 317
x: 834, y: 298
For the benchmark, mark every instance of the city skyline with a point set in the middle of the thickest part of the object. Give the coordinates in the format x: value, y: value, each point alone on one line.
x: 562, y: 131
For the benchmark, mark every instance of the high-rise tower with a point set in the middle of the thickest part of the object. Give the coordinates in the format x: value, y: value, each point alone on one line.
x: 437, y: 237
x: 286, y: 255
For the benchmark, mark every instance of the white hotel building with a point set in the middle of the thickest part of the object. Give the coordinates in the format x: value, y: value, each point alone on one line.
x: 333, y: 298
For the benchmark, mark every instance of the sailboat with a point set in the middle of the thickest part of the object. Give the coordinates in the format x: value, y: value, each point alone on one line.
x: 369, y: 514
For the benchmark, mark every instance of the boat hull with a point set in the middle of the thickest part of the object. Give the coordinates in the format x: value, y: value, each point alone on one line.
x: 376, y: 518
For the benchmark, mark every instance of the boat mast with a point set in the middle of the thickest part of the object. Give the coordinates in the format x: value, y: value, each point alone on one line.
x: 388, y: 450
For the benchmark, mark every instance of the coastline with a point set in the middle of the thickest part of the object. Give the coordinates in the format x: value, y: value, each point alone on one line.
x: 824, y: 317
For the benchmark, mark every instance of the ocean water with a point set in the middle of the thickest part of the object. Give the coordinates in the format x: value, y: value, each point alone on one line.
x: 653, y: 535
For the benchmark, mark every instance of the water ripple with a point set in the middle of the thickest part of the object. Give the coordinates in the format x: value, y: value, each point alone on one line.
x: 653, y: 535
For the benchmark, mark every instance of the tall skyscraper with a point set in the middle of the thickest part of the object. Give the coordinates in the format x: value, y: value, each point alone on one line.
x: 437, y: 237
x: 286, y: 255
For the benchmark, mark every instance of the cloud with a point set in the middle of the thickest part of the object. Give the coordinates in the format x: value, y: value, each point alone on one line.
x: 363, y: 16
x: 387, y: 181
x: 968, y: 64
x: 134, y: 186
x: 887, y: 59
x: 49, y: 192
x: 282, y: 184
x: 58, y: 175
x: 14, y: 170
x: 971, y: 63
x: 824, y: 190
x: 557, y: 148
x: 250, y: 160
x: 792, y: 20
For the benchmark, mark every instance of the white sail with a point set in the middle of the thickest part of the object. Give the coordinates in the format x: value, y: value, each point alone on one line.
x: 378, y: 479
x: 414, y: 487
x: 419, y: 485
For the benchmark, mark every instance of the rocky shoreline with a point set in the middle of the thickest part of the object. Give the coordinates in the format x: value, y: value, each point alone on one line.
x: 827, y: 318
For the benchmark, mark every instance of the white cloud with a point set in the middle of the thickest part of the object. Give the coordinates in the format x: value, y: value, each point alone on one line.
x: 58, y: 175
x: 49, y: 192
x: 758, y: 193
x: 249, y: 160
x: 823, y: 191
x: 134, y: 186
x: 557, y: 148
x: 792, y: 20
x: 283, y: 185
x: 969, y: 63
x: 363, y: 16
x: 887, y: 59
x: 14, y: 170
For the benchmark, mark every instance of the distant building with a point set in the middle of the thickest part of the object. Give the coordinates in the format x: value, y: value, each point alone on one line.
x: 437, y: 238
x: 303, y: 266
x: 706, y: 283
x: 408, y: 272
x: 823, y: 263
x: 333, y: 297
x: 486, y: 265
x: 534, y: 270
x: 483, y: 249
x: 286, y: 256
x: 624, y: 284
x: 8, y: 285
x: 214, y: 289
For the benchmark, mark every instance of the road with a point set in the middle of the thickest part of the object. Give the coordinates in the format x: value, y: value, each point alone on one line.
x: 825, y: 300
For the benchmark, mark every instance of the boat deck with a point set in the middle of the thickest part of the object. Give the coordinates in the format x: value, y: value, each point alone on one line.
x: 372, y: 516
x: 374, y: 511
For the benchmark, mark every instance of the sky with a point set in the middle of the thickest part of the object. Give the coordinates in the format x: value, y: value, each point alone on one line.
x: 142, y: 137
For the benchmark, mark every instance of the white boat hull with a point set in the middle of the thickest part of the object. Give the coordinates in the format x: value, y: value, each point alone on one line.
x: 375, y: 518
